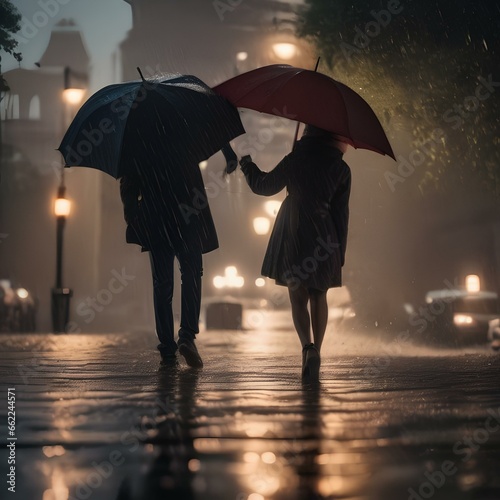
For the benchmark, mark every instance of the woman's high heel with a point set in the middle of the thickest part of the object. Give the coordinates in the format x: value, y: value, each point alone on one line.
x: 311, y: 362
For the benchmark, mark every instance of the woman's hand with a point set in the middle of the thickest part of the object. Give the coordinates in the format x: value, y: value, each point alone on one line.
x: 245, y: 160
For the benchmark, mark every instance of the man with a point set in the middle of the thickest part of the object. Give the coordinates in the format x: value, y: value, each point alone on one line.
x: 167, y: 214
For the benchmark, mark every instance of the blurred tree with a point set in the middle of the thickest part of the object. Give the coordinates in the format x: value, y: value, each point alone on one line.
x: 429, y: 68
x: 422, y: 64
x: 10, y: 23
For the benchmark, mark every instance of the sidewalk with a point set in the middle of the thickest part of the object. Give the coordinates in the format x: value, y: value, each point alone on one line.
x: 97, y: 418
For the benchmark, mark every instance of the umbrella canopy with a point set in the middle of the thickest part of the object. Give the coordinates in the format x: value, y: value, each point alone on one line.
x: 190, y: 120
x: 309, y: 97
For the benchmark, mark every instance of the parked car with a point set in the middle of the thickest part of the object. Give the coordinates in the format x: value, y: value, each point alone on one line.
x: 494, y: 330
x: 17, y: 308
x: 459, y: 316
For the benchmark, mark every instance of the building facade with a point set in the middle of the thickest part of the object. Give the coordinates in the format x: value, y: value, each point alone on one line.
x: 34, y: 117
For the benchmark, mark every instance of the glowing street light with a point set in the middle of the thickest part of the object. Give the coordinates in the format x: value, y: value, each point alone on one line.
x: 72, y: 94
x: 284, y: 50
x: 62, y: 206
x: 260, y: 282
x: 272, y: 207
x: 472, y: 283
x: 22, y: 293
x: 230, y: 279
x: 261, y: 225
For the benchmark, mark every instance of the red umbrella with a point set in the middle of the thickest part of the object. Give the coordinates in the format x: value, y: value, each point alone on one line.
x: 309, y: 97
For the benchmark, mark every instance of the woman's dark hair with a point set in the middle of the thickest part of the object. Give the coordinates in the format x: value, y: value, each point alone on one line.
x: 311, y: 130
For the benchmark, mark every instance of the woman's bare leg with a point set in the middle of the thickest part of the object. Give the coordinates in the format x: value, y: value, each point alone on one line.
x: 319, y: 315
x: 300, y: 315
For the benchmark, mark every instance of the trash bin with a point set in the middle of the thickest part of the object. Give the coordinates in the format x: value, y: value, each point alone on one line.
x: 60, y: 308
x: 223, y: 316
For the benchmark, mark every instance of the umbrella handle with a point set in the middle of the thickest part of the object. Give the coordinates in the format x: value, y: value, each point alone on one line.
x: 296, y: 135
x: 298, y: 123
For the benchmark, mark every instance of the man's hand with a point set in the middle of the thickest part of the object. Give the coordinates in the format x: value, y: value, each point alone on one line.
x: 231, y: 159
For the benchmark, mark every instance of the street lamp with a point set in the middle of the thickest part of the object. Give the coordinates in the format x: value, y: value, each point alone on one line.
x: 72, y: 94
x: 472, y: 283
x: 284, y: 46
x: 272, y: 207
x: 231, y: 279
x: 261, y: 225
x: 284, y: 50
x: 61, y: 295
x: 62, y: 209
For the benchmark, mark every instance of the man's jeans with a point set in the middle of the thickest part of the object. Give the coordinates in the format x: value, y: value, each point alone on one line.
x: 162, y: 266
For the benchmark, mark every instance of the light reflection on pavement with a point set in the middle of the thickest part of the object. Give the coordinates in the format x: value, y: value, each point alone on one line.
x: 97, y: 418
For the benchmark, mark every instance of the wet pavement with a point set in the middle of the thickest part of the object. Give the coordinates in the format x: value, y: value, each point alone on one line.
x: 98, y: 418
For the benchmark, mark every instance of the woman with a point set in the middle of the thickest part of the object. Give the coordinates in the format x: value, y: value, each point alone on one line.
x: 307, y: 246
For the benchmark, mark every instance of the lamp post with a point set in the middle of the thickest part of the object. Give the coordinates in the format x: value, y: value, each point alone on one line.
x: 4, y: 87
x: 60, y: 295
x: 62, y: 208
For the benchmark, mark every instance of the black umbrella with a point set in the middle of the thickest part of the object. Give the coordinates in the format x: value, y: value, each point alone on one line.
x: 189, y: 120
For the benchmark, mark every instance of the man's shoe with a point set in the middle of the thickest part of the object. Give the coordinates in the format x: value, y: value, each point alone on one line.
x: 188, y: 349
x: 168, y: 356
x: 168, y: 359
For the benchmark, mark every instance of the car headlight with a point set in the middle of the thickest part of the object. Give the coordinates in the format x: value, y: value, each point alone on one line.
x: 22, y: 293
x: 463, y: 319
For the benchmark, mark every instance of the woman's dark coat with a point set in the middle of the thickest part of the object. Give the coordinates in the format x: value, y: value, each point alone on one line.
x: 308, y: 242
